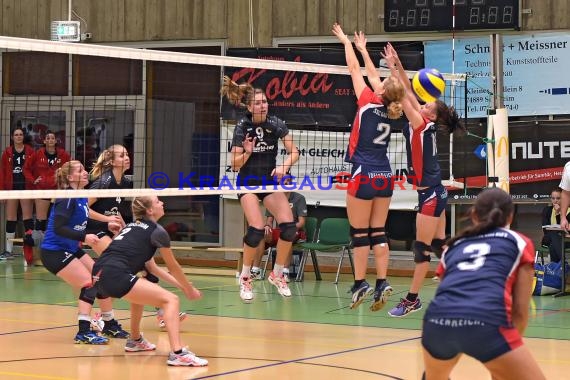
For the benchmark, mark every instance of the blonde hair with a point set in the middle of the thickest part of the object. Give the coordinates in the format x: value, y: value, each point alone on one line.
x: 62, y: 173
x: 105, y: 161
x: 237, y: 92
x: 394, y: 92
x: 140, y: 206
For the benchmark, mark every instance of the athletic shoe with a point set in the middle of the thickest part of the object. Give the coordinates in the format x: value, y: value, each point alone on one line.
x: 255, y: 274
x: 381, y: 295
x: 359, y: 294
x: 280, y: 284
x: 90, y: 337
x: 7, y: 256
x: 139, y: 345
x: 113, y: 329
x: 186, y: 358
x: 162, y: 324
x: 245, y: 289
x: 405, y: 307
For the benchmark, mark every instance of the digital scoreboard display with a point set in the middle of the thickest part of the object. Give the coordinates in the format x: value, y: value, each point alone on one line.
x: 437, y: 15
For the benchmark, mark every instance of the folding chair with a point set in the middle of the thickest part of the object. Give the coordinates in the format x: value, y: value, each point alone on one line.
x: 311, y: 231
x: 334, y: 235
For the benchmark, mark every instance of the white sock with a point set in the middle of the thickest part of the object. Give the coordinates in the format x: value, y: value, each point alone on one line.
x: 9, y: 242
x: 245, y: 271
x: 278, y: 270
x: 107, y: 315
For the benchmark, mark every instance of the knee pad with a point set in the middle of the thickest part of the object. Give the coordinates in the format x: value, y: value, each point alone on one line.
x: 377, y: 239
x: 11, y: 226
x: 288, y: 231
x: 419, y: 248
x: 253, y: 236
x: 88, y: 294
x: 359, y: 241
x: 437, y: 247
x: 28, y: 224
x: 41, y: 225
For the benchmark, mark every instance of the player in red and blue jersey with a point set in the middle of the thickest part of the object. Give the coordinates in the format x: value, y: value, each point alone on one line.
x: 421, y: 141
x: 481, y: 305
x: 370, y: 187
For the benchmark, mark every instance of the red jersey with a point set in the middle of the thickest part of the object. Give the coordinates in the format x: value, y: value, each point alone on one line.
x: 41, y: 164
x: 7, y: 167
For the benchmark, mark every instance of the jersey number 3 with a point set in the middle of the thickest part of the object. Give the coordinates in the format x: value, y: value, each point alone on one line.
x: 477, y: 253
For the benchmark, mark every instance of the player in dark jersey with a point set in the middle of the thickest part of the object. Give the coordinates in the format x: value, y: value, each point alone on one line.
x: 39, y: 169
x: 481, y: 305
x: 424, y: 123
x: 131, y: 251
x: 109, y: 173
x: 61, y: 254
x: 254, y: 154
x: 13, y: 159
x: 370, y: 187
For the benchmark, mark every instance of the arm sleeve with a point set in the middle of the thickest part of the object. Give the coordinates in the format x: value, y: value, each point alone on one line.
x: 159, y: 237
x: 63, y: 210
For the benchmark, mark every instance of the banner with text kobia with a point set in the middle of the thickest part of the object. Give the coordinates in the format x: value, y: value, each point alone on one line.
x: 536, y: 72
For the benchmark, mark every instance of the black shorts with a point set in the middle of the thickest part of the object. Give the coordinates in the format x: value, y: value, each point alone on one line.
x: 54, y: 261
x: 257, y: 183
x: 113, y: 282
x: 445, y: 338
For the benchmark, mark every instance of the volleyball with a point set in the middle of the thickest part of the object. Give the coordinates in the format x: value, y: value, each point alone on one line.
x: 428, y: 84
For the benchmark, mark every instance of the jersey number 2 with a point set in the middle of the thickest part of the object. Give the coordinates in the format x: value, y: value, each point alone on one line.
x: 384, y: 129
x: 122, y: 234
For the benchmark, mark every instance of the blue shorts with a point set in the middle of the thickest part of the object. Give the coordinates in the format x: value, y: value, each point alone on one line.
x: 432, y: 201
x: 368, y: 182
x: 445, y: 338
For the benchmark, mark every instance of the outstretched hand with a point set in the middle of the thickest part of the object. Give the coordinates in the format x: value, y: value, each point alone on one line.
x: 337, y: 31
x: 360, y: 41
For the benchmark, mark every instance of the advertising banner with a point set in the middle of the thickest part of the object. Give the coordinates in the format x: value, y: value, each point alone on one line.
x: 536, y: 75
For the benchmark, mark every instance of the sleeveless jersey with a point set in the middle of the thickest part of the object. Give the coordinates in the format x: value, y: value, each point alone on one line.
x: 421, y: 150
x: 370, y: 133
x: 478, y: 277
x: 134, y: 246
x: 264, y: 157
x: 77, y: 212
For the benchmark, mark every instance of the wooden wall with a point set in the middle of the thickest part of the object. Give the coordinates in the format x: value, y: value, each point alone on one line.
x: 156, y: 20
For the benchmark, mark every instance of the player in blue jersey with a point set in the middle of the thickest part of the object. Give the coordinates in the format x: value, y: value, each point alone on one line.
x: 131, y: 251
x: 370, y: 187
x: 254, y: 151
x: 481, y: 305
x: 425, y: 173
x: 62, y: 256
